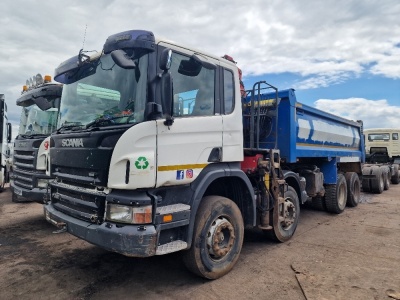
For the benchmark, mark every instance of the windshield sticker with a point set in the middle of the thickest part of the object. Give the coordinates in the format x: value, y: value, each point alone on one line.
x: 141, y: 163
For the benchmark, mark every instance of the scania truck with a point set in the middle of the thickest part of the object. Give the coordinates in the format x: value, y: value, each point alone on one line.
x: 5, y: 139
x: 39, y: 100
x: 156, y: 152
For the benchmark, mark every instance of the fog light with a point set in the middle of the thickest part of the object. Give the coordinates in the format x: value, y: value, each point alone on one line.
x: 42, y: 183
x: 128, y: 214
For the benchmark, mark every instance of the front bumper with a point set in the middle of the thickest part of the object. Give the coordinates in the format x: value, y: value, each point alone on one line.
x: 129, y: 240
x: 25, y: 195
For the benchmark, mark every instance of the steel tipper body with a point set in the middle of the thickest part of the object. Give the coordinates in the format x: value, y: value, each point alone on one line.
x: 5, y: 139
x: 382, y: 146
x: 321, y: 154
x: 31, y: 171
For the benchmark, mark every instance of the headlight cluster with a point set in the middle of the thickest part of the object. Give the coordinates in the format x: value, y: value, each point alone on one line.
x: 129, y: 214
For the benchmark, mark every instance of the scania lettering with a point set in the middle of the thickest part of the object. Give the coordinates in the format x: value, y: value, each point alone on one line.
x: 72, y: 143
x: 174, y: 158
x: 31, y: 170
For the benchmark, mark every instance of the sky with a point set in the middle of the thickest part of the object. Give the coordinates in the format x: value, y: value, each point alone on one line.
x: 341, y: 56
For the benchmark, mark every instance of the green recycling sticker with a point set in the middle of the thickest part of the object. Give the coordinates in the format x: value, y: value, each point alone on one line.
x: 141, y: 163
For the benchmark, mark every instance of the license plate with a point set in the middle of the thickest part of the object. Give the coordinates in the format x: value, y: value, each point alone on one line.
x: 18, y: 192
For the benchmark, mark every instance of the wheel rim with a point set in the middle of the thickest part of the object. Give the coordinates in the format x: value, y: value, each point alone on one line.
x: 220, y: 238
x: 287, y: 214
x: 341, y: 196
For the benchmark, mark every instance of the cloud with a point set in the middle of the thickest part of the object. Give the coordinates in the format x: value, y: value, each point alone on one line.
x: 325, y: 42
x: 373, y: 113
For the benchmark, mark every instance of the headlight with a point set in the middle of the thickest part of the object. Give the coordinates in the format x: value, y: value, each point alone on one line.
x: 129, y: 214
x: 42, y: 183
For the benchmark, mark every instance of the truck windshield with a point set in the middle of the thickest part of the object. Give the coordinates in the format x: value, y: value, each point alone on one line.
x: 109, y: 96
x: 35, y: 121
x: 378, y: 136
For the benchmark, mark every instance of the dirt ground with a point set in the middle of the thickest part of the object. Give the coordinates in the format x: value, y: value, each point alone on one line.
x: 354, y: 255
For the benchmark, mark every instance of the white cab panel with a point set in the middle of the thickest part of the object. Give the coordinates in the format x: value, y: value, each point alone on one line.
x: 138, y: 146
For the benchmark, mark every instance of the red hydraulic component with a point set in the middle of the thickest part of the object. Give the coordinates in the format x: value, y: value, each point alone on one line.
x: 250, y: 163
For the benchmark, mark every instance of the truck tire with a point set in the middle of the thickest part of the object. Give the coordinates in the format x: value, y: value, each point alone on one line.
x: 286, y: 216
x: 336, y: 195
x: 395, y: 176
x: 386, y: 177
x: 217, y: 238
x: 353, y: 189
x: 378, y: 182
x: 366, y: 186
x: 318, y: 203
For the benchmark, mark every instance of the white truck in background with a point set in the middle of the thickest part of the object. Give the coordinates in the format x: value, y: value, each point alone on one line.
x: 5, y: 139
x: 382, y: 149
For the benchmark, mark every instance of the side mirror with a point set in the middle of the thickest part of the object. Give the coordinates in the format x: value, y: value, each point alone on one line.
x: 9, y: 134
x: 166, y: 59
x: 167, y: 97
x: 42, y: 103
x: 122, y: 59
x: 193, y: 66
x: 203, y: 63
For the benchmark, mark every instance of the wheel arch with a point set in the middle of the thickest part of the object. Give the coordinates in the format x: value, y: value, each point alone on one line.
x: 295, y: 181
x: 227, y: 181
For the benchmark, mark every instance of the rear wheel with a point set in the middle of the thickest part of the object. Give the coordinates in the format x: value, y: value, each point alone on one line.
x: 396, y: 175
x: 353, y: 189
x: 386, y: 177
x: 217, y: 238
x: 318, y: 203
x: 366, y: 187
x: 336, y: 195
x: 286, y: 216
x: 378, y: 182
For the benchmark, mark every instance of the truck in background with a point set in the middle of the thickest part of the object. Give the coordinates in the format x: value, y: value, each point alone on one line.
x: 5, y: 139
x: 169, y: 157
x: 40, y: 99
x: 382, y: 146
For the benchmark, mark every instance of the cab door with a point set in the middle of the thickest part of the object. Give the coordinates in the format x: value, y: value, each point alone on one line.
x: 194, y: 140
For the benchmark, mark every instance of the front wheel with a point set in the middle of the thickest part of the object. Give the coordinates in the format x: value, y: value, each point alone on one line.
x: 286, y: 216
x: 217, y: 238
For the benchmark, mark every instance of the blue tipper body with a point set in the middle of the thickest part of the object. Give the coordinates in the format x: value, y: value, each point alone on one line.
x: 302, y: 132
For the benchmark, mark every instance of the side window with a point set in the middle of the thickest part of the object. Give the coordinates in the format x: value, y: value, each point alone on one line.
x: 229, y: 94
x: 395, y: 136
x: 193, y: 87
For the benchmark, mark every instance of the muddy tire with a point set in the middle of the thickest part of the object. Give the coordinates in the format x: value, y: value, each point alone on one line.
x: 353, y: 189
x: 366, y: 186
x: 217, y: 238
x: 396, y: 176
x: 286, y: 217
x: 386, y: 177
x: 336, y: 195
x: 318, y: 203
x: 378, y: 182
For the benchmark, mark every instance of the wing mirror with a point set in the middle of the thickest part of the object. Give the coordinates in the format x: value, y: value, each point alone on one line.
x: 122, y: 60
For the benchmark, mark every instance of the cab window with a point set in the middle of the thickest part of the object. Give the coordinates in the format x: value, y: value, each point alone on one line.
x: 194, y: 87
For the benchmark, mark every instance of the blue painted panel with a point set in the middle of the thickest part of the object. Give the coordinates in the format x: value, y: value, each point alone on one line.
x: 306, y: 132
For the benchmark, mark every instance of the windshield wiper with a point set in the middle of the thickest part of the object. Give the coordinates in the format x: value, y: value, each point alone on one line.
x: 105, y: 120
x: 69, y: 126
